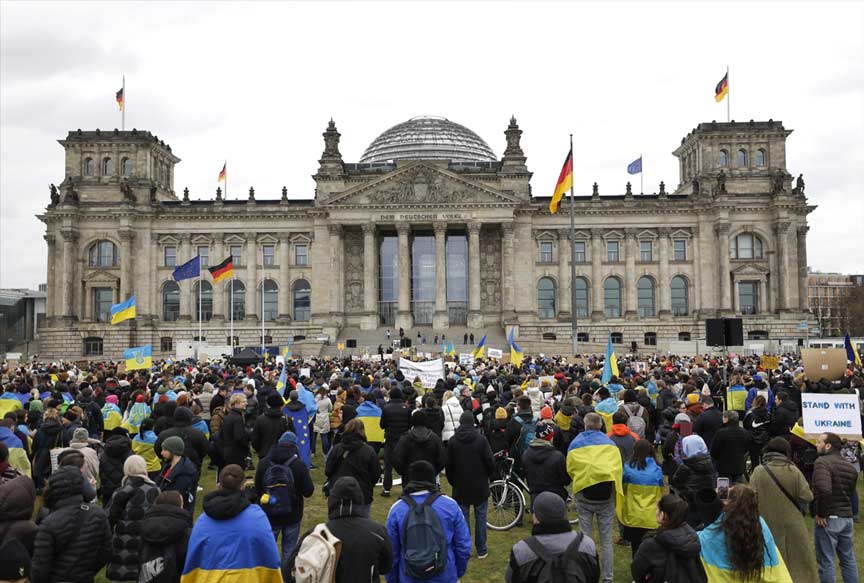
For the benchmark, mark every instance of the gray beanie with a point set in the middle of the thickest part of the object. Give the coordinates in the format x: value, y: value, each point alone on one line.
x: 175, y: 445
x: 549, y: 507
x: 80, y: 435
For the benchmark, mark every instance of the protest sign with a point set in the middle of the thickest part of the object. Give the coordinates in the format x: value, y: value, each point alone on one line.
x: 829, y: 363
x: 494, y: 353
x: 466, y: 358
x: 305, y: 372
x: 376, y: 358
x: 770, y: 362
x: 429, y: 371
x: 838, y: 414
x: 550, y: 380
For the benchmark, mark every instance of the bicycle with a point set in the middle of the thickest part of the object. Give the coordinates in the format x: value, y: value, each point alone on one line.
x: 507, y: 502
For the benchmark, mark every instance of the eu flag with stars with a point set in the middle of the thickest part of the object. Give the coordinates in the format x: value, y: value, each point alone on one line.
x: 635, y: 167
x: 301, y: 429
x: 188, y: 270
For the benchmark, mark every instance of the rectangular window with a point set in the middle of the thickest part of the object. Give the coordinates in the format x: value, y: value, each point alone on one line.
x: 269, y: 255
x: 170, y: 256
x: 166, y: 344
x: 679, y: 250
x: 545, y: 252
x: 204, y: 254
x: 612, y: 254
x: 748, y: 297
x: 579, y: 252
x: 93, y: 346
x: 103, y: 297
x: 236, y: 255
x: 646, y: 251
x: 301, y: 254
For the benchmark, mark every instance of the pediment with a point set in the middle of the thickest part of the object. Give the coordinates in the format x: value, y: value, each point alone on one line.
x: 681, y: 234
x: 420, y: 183
x: 168, y: 240
x: 101, y: 277
x: 582, y: 235
x: 545, y: 235
x: 267, y: 239
x: 234, y: 239
x: 646, y: 235
x: 200, y: 239
x: 613, y: 234
x: 300, y: 238
x: 750, y: 269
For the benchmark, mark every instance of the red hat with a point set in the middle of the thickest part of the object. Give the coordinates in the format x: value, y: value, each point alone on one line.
x: 546, y: 412
x: 139, y: 399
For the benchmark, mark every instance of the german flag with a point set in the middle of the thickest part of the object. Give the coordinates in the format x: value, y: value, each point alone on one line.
x: 222, y: 174
x: 722, y: 88
x: 223, y: 270
x: 120, y: 98
x: 565, y: 182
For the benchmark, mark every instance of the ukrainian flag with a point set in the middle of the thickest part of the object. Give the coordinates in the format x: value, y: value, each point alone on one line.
x: 516, y: 353
x: 137, y: 414
x: 736, y: 395
x: 123, y: 311
x: 370, y: 414
x: 142, y: 445
x: 451, y: 351
x: 8, y: 402
x: 282, y: 382
x: 851, y: 351
x: 610, y: 366
x: 637, y: 507
x: 17, y: 453
x: 592, y: 459
x: 718, y: 567
x: 481, y: 348
x: 138, y: 357
x: 112, y: 416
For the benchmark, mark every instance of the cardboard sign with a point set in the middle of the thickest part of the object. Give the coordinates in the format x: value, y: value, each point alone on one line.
x: 340, y: 346
x: 770, y: 362
x: 699, y: 360
x: 838, y: 414
x: 829, y: 363
x: 495, y: 352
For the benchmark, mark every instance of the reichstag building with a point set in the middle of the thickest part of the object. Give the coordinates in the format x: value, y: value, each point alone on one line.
x: 429, y: 231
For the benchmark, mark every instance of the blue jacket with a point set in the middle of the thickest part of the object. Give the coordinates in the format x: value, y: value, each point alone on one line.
x: 751, y: 394
x: 455, y: 529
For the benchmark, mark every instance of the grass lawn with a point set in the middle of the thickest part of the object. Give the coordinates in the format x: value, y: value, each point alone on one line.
x: 490, y: 569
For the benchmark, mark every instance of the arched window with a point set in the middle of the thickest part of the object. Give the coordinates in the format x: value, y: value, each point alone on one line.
x: 170, y: 301
x: 724, y: 159
x: 107, y: 167
x: 580, y: 284
x: 612, y: 297
x: 545, y: 298
x: 680, y: 296
x: 302, y: 293
x: 126, y: 167
x: 270, y: 310
x: 746, y: 246
x: 646, y: 296
x: 741, y: 157
x: 103, y: 254
x: 236, y: 299
x: 203, y: 293
x: 89, y: 167
x: 760, y: 157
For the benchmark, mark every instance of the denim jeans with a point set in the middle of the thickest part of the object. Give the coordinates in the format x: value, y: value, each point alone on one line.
x: 604, y: 510
x: 290, y: 534
x: 839, y: 537
x: 479, y: 524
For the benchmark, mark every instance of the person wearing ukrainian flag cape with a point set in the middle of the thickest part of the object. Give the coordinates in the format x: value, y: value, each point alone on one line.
x: 643, y: 488
x: 594, y: 465
x: 112, y: 416
x: 370, y: 415
x: 138, y: 412
x: 143, y: 444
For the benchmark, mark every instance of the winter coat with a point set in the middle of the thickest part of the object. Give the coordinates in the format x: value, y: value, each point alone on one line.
x: 545, y: 469
x: 563, y: 437
x: 647, y: 416
x: 117, y: 449
x: 524, y: 565
x: 197, y: 444
x: 757, y: 422
x: 395, y: 420
x: 469, y: 466
x: 496, y: 434
x: 74, y: 541
x: 91, y: 459
x: 708, y: 424
x: 452, y: 410
x: 624, y: 440
x: 17, y: 497
x: 833, y: 483
x: 537, y: 400
x: 233, y: 438
x: 322, y: 417
x: 785, y: 417
x: 125, y: 514
x: 671, y: 556
x: 785, y: 519
x: 354, y: 457
x: 48, y: 437
x: 729, y: 450
x: 303, y: 487
x: 164, y: 537
x: 418, y: 444
x: 514, y: 427
x: 269, y: 427
x: 433, y: 419
x: 181, y: 478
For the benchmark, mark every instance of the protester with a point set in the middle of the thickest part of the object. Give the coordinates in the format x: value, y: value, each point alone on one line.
x: 165, y: 534
x: 179, y: 473
x: 452, y: 410
x: 49, y: 436
x: 730, y: 448
x: 671, y: 553
x: 233, y: 436
x: 639, y: 418
x: 643, y: 487
x: 545, y: 467
x: 81, y: 442
x: 695, y: 473
x: 785, y: 415
x: 143, y: 444
x: 17, y: 529
x: 354, y: 457
x: 270, y: 426
x: 709, y: 422
x: 757, y: 422
x: 621, y: 436
x: 117, y: 448
x: 395, y: 421
x: 418, y: 444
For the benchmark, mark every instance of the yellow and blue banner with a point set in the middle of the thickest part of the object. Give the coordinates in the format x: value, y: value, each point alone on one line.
x: 480, y: 351
x: 592, y: 459
x: 282, y: 382
x: 112, y: 417
x: 637, y: 507
x: 610, y: 365
x: 137, y: 414
x: 851, y: 351
x: 736, y: 398
x: 123, y: 311
x: 17, y: 451
x: 516, y: 353
x: 451, y: 350
x: 8, y: 403
x: 138, y: 357
x: 370, y: 415
x: 718, y: 566
x: 143, y: 444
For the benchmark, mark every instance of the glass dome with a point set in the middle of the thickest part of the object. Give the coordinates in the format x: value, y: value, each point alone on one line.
x: 428, y: 138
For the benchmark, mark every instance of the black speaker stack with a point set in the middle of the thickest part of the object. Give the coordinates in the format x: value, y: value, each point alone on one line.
x: 724, y: 331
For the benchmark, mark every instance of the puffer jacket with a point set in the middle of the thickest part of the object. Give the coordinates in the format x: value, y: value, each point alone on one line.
x: 74, y: 541
x: 268, y: 428
x: 114, y: 454
x: 322, y: 417
x: 784, y: 418
x: 431, y: 417
x: 693, y: 474
x: 536, y: 396
x: 452, y: 410
x: 164, y: 538
x: 234, y: 438
x: 17, y: 497
x: 671, y: 556
x: 833, y: 483
x: 395, y: 420
x: 354, y: 457
x: 545, y: 469
x: 126, y: 512
x: 196, y: 443
x: 418, y: 444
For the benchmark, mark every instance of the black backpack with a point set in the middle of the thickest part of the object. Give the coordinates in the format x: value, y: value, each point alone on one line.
x: 280, y: 494
x: 556, y: 568
x: 424, y: 543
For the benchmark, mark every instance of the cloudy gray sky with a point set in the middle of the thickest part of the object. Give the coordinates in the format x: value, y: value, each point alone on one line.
x: 257, y: 83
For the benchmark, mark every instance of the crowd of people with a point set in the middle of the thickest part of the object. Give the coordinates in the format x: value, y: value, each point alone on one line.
x: 699, y: 465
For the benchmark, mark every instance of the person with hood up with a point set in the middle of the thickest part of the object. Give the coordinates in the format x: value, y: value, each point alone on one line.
x: 138, y: 412
x: 470, y: 466
x: 534, y: 393
x: 452, y: 410
x: 785, y: 415
x: 354, y: 457
x: 74, y: 538
x: 142, y: 444
x: 165, y: 534
x: 195, y: 443
x: 270, y: 426
x: 179, y: 473
x: 643, y: 488
x: 419, y: 444
x: 114, y: 453
x: 48, y: 436
x: 232, y: 539
x: 205, y: 397
x: 545, y: 467
x: 112, y: 415
x: 125, y: 515
x: 81, y: 442
x: 695, y: 473
x: 671, y: 553
x: 606, y: 407
x: 396, y: 422
x: 621, y: 435
x: 757, y: 422
x: 366, y: 552
x: 286, y: 454
x: 496, y: 430
x: 17, y: 530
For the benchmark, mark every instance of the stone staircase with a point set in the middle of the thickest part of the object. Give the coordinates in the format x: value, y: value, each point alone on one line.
x: 368, y: 340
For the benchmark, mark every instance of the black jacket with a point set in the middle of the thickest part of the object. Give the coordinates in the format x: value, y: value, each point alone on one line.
x: 563, y: 437
x: 729, y: 449
x: 49, y: 436
x: 496, y: 434
x: 708, y: 424
x: 164, y: 538
x: 125, y: 514
x: 303, y: 487
x: 665, y: 398
x: 234, y: 439
x: 545, y: 469
x: 196, y: 442
x: 433, y: 418
x: 269, y: 427
x: 354, y: 457
x: 395, y: 420
x: 418, y: 444
x: 757, y: 422
x: 182, y: 478
x: 74, y: 541
x: 692, y: 475
x: 785, y: 416
x: 671, y: 556
x: 556, y: 537
x: 17, y: 497
x: 514, y: 428
x: 469, y: 465
x: 117, y: 449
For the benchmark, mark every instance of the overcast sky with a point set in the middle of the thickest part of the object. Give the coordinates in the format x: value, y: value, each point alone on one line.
x: 257, y: 83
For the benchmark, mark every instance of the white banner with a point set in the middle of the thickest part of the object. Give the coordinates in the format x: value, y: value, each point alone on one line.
x: 429, y: 371
x: 466, y: 358
x: 495, y: 353
x: 305, y: 372
x: 831, y: 414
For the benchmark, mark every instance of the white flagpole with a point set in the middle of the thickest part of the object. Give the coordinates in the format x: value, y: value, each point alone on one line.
x: 641, y: 175
x: 263, y: 279
x: 231, y: 302
x: 199, y: 306
x: 123, y: 110
x: 728, y: 97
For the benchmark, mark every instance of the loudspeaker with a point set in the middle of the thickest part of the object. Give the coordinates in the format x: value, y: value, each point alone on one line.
x: 734, y: 330
x: 715, y: 334
x: 351, y: 343
x: 633, y: 346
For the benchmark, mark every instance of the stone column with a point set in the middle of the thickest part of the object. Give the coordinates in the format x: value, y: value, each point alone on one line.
x: 597, y: 308
x: 285, y: 294
x: 507, y: 269
x: 216, y: 257
x: 336, y: 269
x: 370, y: 279
x: 790, y: 241
x: 441, y: 319
x: 722, y: 231
x: 51, y: 295
x: 404, y: 317
x: 801, y: 275
x: 630, y: 274
x: 664, y: 285
x: 774, y: 283
x: 475, y: 318
x: 70, y: 249
x: 565, y: 250
x: 781, y: 244
x: 253, y: 294
x: 184, y: 254
x: 127, y: 283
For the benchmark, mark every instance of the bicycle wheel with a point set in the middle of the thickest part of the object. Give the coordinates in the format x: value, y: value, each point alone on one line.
x: 506, y: 506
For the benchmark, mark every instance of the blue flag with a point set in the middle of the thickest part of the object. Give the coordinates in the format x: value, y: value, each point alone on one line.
x: 635, y: 167
x: 301, y: 430
x: 188, y: 270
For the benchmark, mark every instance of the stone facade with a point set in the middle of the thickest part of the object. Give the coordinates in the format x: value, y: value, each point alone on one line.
x: 730, y: 240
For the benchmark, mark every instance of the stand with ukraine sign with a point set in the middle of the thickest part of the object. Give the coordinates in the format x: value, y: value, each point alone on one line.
x: 840, y: 414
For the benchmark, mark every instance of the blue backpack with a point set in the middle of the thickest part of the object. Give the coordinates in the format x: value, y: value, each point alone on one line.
x: 526, y: 434
x: 424, y: 543
x: 280, y: 494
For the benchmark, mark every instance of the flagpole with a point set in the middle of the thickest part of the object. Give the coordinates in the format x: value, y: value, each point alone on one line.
x: 225, y: 166
x: 123, y: 109
x: 262, y: 295
x: 641, y: 175
x: 728, y: 97
x: 231, y: 302
x: 199, y: 307
x: 573, y: 340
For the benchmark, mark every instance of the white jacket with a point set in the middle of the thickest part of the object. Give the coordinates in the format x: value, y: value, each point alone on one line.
x: 537, y: 399
x: 452, y: 410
